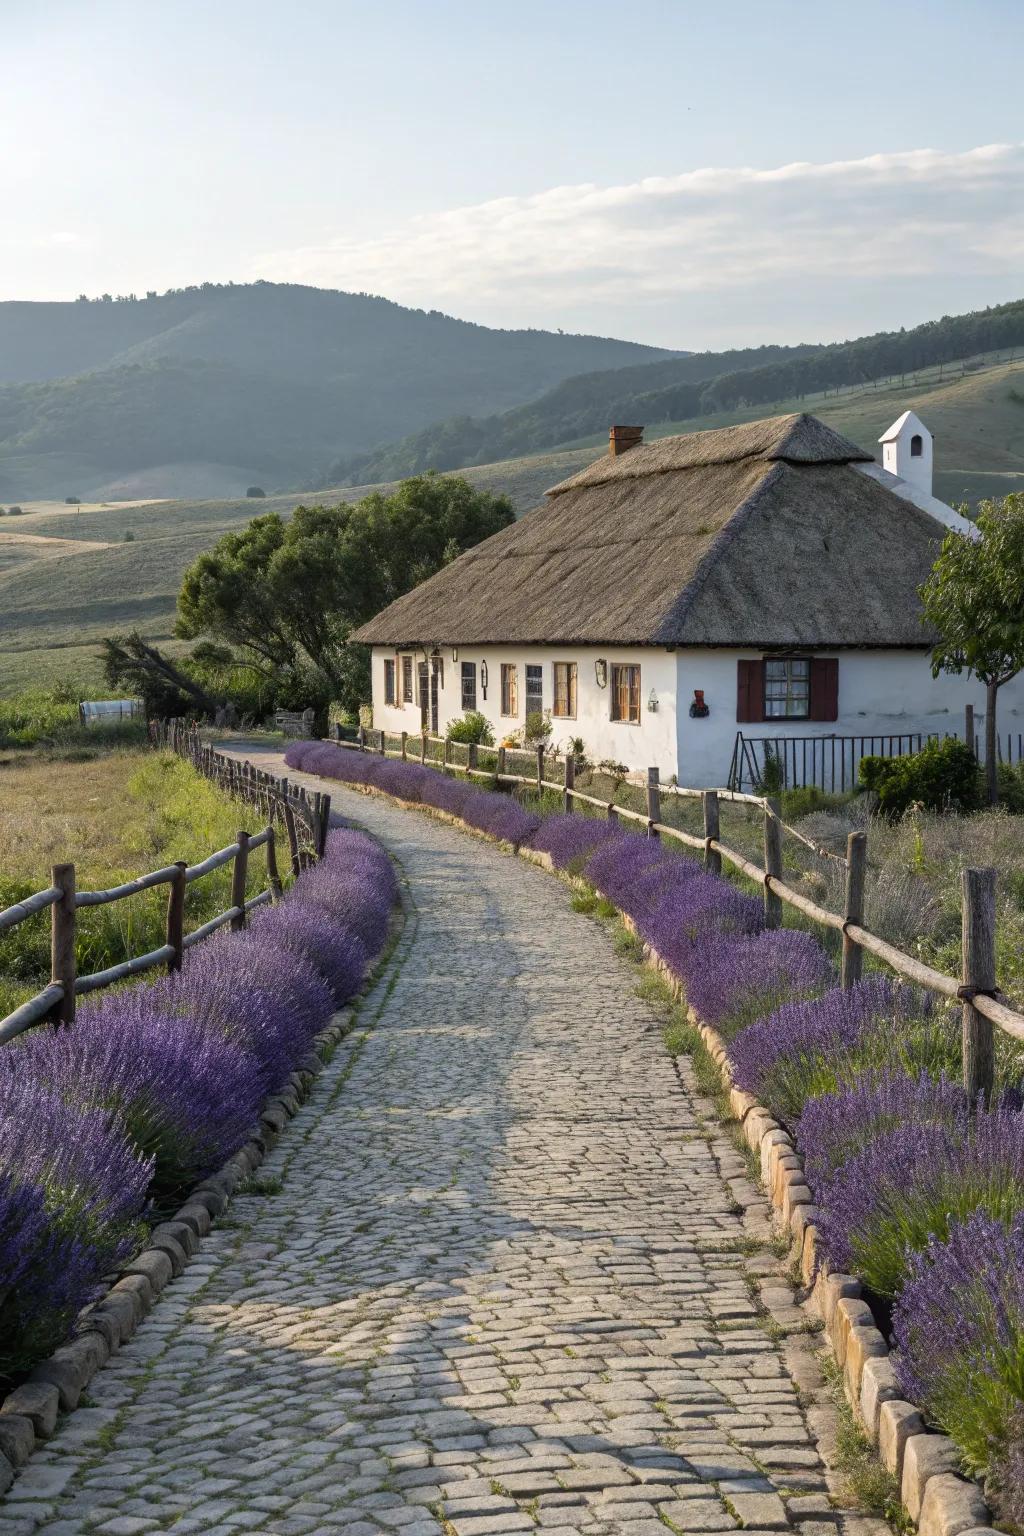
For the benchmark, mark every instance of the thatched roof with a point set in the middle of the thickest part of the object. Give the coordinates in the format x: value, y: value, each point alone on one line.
x: 761, y: 535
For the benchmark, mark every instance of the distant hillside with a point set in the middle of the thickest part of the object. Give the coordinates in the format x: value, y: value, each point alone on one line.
x: 68, y: 576
x: 688, y: 388
x: 271, y: 378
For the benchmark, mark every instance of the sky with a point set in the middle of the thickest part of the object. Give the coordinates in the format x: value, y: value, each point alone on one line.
x: 681, y: 174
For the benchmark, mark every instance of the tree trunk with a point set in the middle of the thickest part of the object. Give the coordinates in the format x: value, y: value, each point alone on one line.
x: 991, y: 777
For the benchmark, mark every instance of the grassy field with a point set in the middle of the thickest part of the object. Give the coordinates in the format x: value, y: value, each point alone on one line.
x: 71, y: 575
x: 114, y: 815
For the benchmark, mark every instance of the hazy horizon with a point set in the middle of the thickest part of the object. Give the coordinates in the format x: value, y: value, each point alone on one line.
x: 667, y: 176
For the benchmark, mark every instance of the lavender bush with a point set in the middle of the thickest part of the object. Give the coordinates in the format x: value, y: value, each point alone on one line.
x: 570, y: 840
x: 911, y: 1184
x: 734, y: 979
x: 816, y: 1046
x: 336, y: 951
x: 959, y: 1327
x: 500, y: 816
x: 71, y: 1194
x: 837, y: 1126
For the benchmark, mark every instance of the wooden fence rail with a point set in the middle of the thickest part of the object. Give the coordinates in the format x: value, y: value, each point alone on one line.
x: 976, y: 990
x: 305, y: 817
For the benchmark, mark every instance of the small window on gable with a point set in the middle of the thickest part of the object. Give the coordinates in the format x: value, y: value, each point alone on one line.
x: 916, y: 446
x: 406, y: 679
x: 389, y: 681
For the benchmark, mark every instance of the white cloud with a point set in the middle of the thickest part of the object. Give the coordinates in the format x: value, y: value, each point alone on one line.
x: 918, y: 214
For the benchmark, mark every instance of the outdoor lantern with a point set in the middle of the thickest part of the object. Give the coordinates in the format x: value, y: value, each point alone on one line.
x: 652, y: 701
x: 455, y: 653
x: 601, y: 671
x: 483, y: 677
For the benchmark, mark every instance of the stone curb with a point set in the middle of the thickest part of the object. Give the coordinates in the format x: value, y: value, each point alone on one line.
x: 936, y: 1498
x: 28, y: 1414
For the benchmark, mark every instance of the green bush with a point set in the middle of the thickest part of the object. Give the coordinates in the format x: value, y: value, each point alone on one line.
x: 943, y: 776
x: 536, y: 728
x: 473, y: 729
x: 809, y: 798
x: 1010, y: 785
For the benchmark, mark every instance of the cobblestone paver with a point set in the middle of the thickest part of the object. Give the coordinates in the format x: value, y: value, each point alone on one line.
x: 492, y: 1279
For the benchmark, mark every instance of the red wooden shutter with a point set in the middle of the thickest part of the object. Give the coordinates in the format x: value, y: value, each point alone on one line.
x: 824, y: 704
x: 749, y: 691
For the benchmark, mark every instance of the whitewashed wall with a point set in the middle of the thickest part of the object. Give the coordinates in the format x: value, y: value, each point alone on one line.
x: 880, y: 693
x: 884, y: 692
x: 638, y: 746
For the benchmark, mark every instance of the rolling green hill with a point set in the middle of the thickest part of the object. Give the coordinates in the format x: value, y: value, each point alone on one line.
x: 67, y: 576
x: 701, y: 385
x: 261, y: 382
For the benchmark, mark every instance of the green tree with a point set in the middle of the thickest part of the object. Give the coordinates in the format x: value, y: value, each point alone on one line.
x: 287, y: 595
x: 974, y: 599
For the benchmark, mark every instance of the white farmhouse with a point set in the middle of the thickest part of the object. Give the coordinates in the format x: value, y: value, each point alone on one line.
x: 683, y: 602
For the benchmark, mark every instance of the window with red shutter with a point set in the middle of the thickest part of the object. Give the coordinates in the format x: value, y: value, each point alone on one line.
x: 824, y: 688
x: 749, y: 690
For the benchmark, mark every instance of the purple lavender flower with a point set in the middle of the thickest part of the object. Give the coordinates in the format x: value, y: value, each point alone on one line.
x: 446, y: 794
x: 335, y: 950
x: 959, y: 1328
x: 182, y: 1095
x: 813, y: 1047
x: 731, y: 979
x: 837, y: 1126
x: 499, y: 816
x: 570, y: 840
x: 617, y: 864
x: 911, y: 1184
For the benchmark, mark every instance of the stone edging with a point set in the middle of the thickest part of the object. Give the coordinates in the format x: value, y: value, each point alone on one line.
x: 28, y: 1414
x: 924, y: 1464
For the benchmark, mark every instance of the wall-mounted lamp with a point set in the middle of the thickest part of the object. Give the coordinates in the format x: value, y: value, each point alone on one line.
x: 483, y: 677
x: 455, y: 653
x: 601, y: 672
x: 652, y: 702
x: 698, y: 709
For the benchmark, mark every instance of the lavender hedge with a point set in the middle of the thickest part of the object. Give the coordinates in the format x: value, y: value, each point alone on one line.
x: 570, y: 840
x: 959, y: 1328
x: 155, y: 1085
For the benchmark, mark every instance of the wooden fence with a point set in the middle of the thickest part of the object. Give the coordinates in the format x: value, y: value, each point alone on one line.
x: 304, y: 816
x: 975, y: 988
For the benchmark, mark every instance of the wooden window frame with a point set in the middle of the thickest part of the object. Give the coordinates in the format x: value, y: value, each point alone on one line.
x: 408, y: 683
x: 390, y: 680
x: 536, y: 667
x: 786, y: 661
x: 509, y: 690
x: 631, y: 667
x: 468, y: 674
x: 571, y: 687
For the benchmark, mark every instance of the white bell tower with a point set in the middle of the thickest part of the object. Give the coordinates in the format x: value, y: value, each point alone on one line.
x: 907, y: 451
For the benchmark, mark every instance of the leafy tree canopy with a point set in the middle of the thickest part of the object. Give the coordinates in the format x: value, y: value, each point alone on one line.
x: 974, y: 598
x: 286, y: 595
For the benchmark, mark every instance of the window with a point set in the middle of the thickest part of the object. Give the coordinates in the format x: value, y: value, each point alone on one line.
x: 509, y: 689
x: 626, y: 693
x: 389, y: 681
x: 565, y: 690
x: 468, y: 685
x: 534, y: 690
x: 916, y: 446
x: 406, y: 679
x: 787, y: 688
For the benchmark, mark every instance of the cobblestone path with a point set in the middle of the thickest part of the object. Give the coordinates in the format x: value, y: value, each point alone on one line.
x: 493, y: 1277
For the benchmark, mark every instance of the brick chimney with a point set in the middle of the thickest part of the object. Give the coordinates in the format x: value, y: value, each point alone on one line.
x: 622, y: 439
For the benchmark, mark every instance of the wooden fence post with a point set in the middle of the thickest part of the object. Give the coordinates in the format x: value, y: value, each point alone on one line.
x: 570, y: 783
x: 293, y: 840
x: 613, y: 814
x: 383, y: 745
x: 500, y: 770
x: 423, y: 747
x: 446, y: 752
x: 540, y: 767
x: 979, y: 975
x: 712, y: 831
x: 273, y: 874
x: 176, y: 916
x: 238, y: 875
x: 472, y: 755
x: 62, y: 941
x: 969, y: 725
x: 853, y: 907
x: 772, y: 861
x: 361, y: 738
x: 653, y: 799
x: 325, y: 824
x: 405, y: 744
